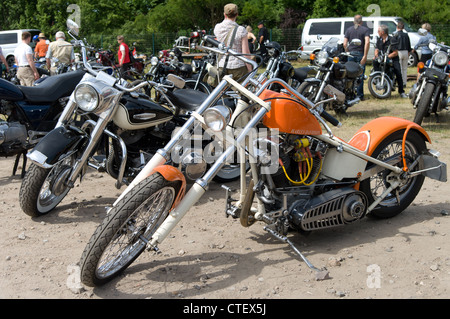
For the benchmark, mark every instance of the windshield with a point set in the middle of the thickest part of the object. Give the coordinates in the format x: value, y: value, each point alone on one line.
x: 408, y: 28
x: 331, y: 44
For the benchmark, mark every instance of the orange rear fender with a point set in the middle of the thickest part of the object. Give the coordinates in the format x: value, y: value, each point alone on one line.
x: 382, y: 127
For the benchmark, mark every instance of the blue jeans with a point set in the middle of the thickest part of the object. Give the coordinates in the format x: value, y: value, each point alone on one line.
x: 357, y: 57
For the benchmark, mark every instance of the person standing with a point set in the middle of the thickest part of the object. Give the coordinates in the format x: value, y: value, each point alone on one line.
x: 234, y: 36
x: 263, y: 36
x: 388, y: 45
x: 423, y: 42
x: 3, y: 59
x: 61, y: 50
x: 27, y: 72
x: 359, y: 53
x: 124, y: 57
x: 41, y: 47
x: 251, y: 39
x: 404, y: 47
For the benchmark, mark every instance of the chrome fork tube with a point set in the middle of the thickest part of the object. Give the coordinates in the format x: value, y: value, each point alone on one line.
x: 98, y: 131
x: 69, y: 109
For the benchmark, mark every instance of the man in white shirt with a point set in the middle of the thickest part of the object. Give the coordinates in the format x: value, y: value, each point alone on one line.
x: 27, y: 72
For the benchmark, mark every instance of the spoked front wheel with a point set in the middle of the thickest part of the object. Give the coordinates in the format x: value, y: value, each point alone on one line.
x: 379, y: 86
x: 43, y: 189
x: 390, y: 150
x: 125, y: 232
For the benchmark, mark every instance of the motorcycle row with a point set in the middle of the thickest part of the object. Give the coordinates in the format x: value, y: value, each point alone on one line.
x: 167, y: 134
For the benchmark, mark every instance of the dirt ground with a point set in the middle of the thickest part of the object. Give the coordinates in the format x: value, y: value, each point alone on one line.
x: 211, y: 256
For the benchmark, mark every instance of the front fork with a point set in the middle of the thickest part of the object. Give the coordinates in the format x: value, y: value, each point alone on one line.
x: 94, y: 137
x: 201, y: 185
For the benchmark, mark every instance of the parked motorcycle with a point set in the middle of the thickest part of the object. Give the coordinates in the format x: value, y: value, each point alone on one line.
x: 167, y: 63
x: 382, y: 82
x: 278, y: 66
x: 128, y: 129
x: 301, y: 177
x: 430, y: 93
x: 334, y: 77
x: 31, y: 112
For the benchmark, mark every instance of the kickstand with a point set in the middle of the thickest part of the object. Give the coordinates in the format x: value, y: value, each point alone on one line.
x: 321, y: 274
x: 24, y: 164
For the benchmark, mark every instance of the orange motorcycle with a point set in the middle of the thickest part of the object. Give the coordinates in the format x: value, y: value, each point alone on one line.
x: 302, y: 177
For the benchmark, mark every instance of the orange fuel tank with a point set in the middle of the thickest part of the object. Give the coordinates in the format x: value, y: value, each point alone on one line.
x: 289, y: 116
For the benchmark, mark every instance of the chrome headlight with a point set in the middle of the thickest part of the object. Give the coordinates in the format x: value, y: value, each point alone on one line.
x: 154, y: 60
x: 217, y: 117
x: 86, y: 97
x: 322, y: 57
x: 440, y: 58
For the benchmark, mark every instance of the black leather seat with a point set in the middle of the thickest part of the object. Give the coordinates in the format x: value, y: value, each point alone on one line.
x: 187, y: 99
x: 300, y: 74
x: 53, y: 87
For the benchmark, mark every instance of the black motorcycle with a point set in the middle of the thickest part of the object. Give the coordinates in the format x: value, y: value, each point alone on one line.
x: 278, y: 66
x: 382, y: 82
x: 128, y: 130
x: 29, y: 113
x: 336, y: 80
x: 430, y: 93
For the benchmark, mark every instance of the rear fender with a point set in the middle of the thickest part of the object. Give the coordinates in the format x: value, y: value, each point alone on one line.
x: 57, y: 145
x: 382, y: 127
x: 172, y: 174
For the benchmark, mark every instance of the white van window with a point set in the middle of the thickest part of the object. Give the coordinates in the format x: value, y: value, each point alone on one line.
x: 408, y: 28
x: 349, y: 24
x: 8, y: 38
x: 391, y: 26
x: 325, y: 28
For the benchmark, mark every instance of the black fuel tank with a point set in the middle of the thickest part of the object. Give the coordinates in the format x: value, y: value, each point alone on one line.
x: 138, y: 113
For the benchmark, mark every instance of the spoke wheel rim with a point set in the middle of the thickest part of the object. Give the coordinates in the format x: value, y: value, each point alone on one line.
x: 133, y: 235
x: 378, y: 183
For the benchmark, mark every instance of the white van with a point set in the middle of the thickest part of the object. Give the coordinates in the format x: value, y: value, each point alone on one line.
x: 317, y: 32
x: 9, y: 40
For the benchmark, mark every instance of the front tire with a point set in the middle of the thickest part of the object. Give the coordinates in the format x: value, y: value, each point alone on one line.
x: 401, y: 197
x: 43, y: 189
x: 124, y: 233
x: 424, y: 103
x: 379, y: 88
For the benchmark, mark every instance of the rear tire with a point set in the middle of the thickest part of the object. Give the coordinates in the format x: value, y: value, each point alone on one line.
x: 122, y: 235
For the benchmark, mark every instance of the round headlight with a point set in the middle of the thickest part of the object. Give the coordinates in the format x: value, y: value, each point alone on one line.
x: 322, y: 57
x: 440, y: 58
x: 154, y: 60
x: 86, y: 97
x: 97, y: 55
x: 217, y: 117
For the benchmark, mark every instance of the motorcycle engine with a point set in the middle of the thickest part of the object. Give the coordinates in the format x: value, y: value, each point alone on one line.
x: 299, y: 174
x: 13, y: 138
x: 333, y: 208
